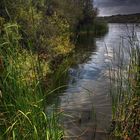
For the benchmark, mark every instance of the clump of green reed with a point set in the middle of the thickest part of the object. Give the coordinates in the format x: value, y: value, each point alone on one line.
x: 96, y: 28
x: 22, y: 96
x: 125, y: 89
x: 100, y: 28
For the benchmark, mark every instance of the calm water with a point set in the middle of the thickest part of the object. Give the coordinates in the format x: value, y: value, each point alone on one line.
x: 86, y: 102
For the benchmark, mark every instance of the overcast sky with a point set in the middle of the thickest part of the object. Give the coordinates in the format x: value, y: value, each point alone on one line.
x: 112, y: 7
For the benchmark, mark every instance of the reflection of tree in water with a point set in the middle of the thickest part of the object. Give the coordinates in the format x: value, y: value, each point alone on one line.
x: 85, y: 40
x: 85, y: 46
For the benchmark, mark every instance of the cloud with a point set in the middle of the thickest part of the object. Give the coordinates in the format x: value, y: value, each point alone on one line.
x: 109, y: 7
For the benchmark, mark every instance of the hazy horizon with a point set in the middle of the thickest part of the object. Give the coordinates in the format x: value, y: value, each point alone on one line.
x: 112, y: 7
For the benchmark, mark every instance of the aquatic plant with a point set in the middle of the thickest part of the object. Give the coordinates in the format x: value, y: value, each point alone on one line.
x: 125, y: 88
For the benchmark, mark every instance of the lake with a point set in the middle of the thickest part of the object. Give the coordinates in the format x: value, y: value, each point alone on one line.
x: 86, y: 101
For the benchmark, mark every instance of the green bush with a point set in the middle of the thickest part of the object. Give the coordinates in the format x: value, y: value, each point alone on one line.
x: 22, y: 95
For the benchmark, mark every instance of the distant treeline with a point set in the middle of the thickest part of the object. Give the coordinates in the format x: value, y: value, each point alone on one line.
x: 131, y: 18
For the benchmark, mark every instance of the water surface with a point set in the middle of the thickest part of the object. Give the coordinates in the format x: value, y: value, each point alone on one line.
x: 86, y: 102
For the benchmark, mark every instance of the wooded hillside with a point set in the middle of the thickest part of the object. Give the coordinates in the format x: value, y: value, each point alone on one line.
x: 131, y: 18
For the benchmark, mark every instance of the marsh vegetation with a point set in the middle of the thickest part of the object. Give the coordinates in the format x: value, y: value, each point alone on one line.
x: 125, y: 86
x: 53, y: 67
x: 35, y: 37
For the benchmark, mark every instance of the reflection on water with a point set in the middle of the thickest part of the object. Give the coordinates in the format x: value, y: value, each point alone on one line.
x: 86, y: 101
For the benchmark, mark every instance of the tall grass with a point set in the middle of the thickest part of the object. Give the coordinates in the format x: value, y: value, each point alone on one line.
x: 22, y: 95
x: 96, y: 28
x: 125, y: 88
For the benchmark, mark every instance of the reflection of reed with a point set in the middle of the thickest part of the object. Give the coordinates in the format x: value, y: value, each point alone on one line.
x: 77, y: 124
x: 86, y: 41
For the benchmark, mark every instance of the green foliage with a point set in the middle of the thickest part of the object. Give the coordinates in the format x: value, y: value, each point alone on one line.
x: 125, y: 91
x: 100, y: 27
x: 49, y: 25
x: 95, y: 28
x: 22, y: 95
x: 35, y: 34
x: 74, y: 12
